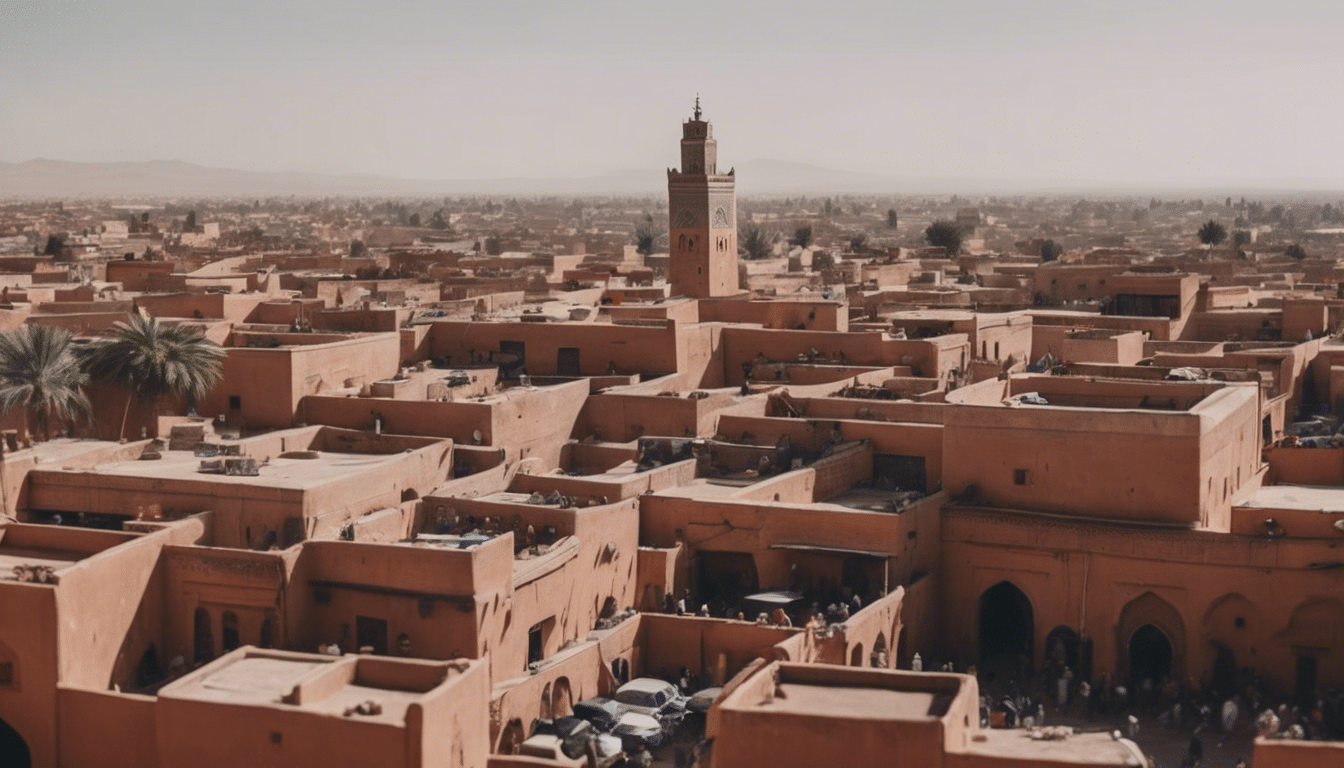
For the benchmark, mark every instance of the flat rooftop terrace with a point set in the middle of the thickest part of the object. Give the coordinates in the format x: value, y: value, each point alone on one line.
x: 290, y: 473
x: 1302, y: 498
x: 851, y: 702
x: 52, y: 546
x: 1078, y: 749
x: 248, y: 680
x: 317, y: 684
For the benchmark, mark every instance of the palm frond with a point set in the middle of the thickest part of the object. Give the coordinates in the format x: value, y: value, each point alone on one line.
x: 39, y: 371
x: 156, y: 359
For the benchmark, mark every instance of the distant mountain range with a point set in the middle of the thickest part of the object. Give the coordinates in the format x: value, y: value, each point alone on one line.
x: 173, y: 178
x: 44, y: 178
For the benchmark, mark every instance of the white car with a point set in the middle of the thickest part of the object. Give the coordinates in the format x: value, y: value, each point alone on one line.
x: 653, y: 697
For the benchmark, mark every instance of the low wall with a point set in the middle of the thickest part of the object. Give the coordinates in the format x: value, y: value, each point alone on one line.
x: 1278, y: 753
x: 103, y: 729
x: 1305, y: 466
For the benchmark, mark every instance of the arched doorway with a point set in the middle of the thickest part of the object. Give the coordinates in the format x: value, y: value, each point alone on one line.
x: 13, y: 749
x: 1006, y: 630
x: 511, y: 737
x: 562, y: 700
x: 1150, y: 655
x: 268, y: 630
x: 856, y: 656
x: 230, y: 636
x: 204, y: 645
x: 1061, y: 648
x: 1150, y: 637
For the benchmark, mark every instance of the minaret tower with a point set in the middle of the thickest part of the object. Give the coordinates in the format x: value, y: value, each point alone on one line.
x: 702, y: 211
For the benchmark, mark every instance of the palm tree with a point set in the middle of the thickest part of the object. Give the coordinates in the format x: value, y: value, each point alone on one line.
x: 40, y: 372
x: 756, y: 242
x: 647, y: 236
x: 152, y: 360
x: 1211, y: 233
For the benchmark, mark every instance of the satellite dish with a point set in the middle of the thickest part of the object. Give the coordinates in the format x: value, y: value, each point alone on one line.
x: 477, y: 436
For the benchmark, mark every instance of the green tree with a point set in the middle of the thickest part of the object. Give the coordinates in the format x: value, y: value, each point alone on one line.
x: 55, y: 244
x: 1212, y: 233
x: 647, y: 235
x: 1240, y: 238
x: 1050, y: 250
x: 40, y: 373
x: 357, y: 248
x: 756, y: 242
x: 944, y: 234
x: 414, y: 220
x: 858, y: 243
x: 152, y: 360
x: 802, y: 236
x: 891, y: 218
x: 439, y: 220
x: 190, y: 224
x: 1295, y: 251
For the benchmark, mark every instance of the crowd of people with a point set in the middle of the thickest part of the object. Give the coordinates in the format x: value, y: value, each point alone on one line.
x: 1208, y: 712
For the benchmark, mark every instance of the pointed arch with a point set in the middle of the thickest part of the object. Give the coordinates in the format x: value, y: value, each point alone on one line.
x: 1315, y: 623
x: 1150, y: 610
x: 562, y: 698
x: 1006, y: 628
x: 13, y: 748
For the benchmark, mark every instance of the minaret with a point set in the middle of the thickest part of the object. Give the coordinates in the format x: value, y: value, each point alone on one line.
x: 702, y: 223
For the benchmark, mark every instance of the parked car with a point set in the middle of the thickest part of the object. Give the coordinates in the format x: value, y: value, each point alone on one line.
x: 653, y: 697
x: 600, y: 711
x: 573, y: 742
x: 574, y: 733
x: 638, y: 728
x: 551, y: 747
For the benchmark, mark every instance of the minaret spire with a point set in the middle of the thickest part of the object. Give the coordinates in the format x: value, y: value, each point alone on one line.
x: 697, y: 106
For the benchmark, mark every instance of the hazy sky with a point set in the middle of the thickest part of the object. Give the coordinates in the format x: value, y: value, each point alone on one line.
x: 1164, y: 92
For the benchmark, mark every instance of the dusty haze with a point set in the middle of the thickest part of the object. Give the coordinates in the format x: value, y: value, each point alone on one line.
x: 1041, y: 95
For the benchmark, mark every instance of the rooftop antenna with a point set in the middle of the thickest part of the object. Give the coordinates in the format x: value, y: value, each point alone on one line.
x: 697, y: 106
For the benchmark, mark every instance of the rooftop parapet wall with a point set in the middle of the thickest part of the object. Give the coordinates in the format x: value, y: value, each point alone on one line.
x: 930, y: 358
x: 483, y: 570
x: 1157, y: 328
x: 263, y: 387
x: 874, y: 713
x: 631, y: 348
x: 768, y: 530
x: 891, y: 438
x: 322, y: 493
x: 819, y: 315
x: 445, y: 600
x: 316, y: 733
x: 1285, y: 753
x: 525, y: 422
x: 621, y: 417
x: 1179, y: 467
x: 908, y: 411
x: 622, y: 483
